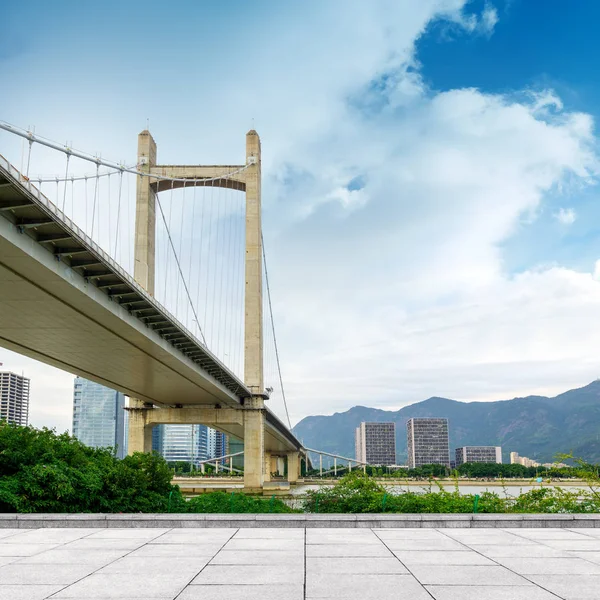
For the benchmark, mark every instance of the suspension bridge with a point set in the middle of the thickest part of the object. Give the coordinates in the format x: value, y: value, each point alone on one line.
x: 162, y: 300
x: 149, y: 279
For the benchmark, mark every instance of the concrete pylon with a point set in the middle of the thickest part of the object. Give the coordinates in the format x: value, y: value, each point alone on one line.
x: 254, y: 408
x: 143, y: 270
x: 253, y: 323
x: 145, y: 215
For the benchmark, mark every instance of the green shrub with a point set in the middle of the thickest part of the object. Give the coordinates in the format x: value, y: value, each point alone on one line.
x: 41, y: 471
x: 221, y: 502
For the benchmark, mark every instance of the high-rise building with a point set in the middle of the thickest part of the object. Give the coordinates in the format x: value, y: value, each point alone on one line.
x: 99, y: 416
x: 515, y: 459
x: 221, y: 445
x: 375, y: 443
x: 188, y: 443
x: 14, y: 398
x: 480, y: 454
x: 427, y: 441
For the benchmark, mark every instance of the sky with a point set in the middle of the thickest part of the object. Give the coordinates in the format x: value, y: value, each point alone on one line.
x: 430, y: 174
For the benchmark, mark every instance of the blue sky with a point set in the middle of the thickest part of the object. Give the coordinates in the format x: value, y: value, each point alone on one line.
x: 429, y: 176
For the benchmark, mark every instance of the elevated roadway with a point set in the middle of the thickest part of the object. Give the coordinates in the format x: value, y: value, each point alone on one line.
x: 65, y: 302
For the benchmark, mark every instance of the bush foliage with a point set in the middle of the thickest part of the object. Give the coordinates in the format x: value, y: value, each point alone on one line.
x: 42, y: 472
x: 359, y: 493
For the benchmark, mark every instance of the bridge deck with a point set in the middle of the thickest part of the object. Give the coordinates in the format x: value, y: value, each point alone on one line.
x: 65, y: 302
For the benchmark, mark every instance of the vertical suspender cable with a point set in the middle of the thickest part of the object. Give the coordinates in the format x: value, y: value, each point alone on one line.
x: 95, y: 196
x: 118, y: 215
x: 192, y: 234
x: 65, y: 186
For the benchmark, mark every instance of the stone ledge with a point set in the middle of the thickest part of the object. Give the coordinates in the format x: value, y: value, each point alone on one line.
x: 378, y: 521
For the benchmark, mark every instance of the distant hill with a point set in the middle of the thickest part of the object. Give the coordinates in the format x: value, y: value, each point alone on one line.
x: 535, y: 426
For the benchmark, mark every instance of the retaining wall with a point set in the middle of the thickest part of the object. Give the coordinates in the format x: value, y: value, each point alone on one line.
x: 30, y: 521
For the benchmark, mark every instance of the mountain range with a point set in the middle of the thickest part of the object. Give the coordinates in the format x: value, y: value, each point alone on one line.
x: 534, y: 426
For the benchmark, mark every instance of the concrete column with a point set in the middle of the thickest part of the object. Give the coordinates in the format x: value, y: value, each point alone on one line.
x: 253, y: 321
x: 254, y: 443
x: 140, y: 433
x: 293, y: 466
x: 145, y: 218
x: 268, y: 469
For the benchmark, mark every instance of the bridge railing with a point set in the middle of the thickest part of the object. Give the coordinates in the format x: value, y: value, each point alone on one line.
x: 217, y: 461
x: 336, y: 457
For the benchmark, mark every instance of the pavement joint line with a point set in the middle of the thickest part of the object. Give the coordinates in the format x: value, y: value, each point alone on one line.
x: 503, y: 566
x: 187, y: 585
x: 83, y: 537
x: 102, y: 567
x: 404, y: 565
x: 304, y: 586
x: 541, y: 543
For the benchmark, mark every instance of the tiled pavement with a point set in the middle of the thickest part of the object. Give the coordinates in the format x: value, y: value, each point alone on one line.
x: 293, y: 564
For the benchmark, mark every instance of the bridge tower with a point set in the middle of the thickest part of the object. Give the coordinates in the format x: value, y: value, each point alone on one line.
x: 256, y: 463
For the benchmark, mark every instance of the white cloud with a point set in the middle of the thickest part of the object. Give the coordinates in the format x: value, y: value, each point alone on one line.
x: 566, y: 216
x: 395, y: 289
x: 489, y: 19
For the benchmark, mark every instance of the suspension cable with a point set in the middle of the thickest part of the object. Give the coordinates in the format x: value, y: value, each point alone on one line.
x: 262, y: 241
x: 162, y: 214
x: 111, y: 165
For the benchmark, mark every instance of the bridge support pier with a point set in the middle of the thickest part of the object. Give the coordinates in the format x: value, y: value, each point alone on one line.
x: 254, y: 443
x: 140, y: 432
x: 293, y: 467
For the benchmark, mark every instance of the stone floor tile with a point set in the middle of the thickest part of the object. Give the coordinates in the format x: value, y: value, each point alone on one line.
x: 583, y: 545
x: 191, y: 538
x: 570, y: 587
x: 16, y: 573
x: 5, y: 533
x: 365, y: 587
x: 589, y: 556
x: 430, y: 544
x: 549, y: 566
x: 177, y: 550
x: 24, y: 549
x: 27, y: 592
x: 330, y: 538
x: 250, y: 574
x: 378, y: 564
x: 61, y: 555
x: 408, y: 534
x: 124, y: 586
x: 270, y: 533
x: 339, y: 550
x: 491, y: 538
x: 243, y: 592
x: 263, y: 557
x: 465, y: 575
x: 441, y: 557
x: 115, y: 533
x: 263, y: 544
x: 489, y: 592
x: 153, y: 564
x: 553, y: 534
x: 51, y: 536
x: 105, y: 544
x: 516, y: 551
x: 7, y: 560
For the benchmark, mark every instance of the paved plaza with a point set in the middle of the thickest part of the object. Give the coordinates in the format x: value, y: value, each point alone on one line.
x: 295, y: 563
